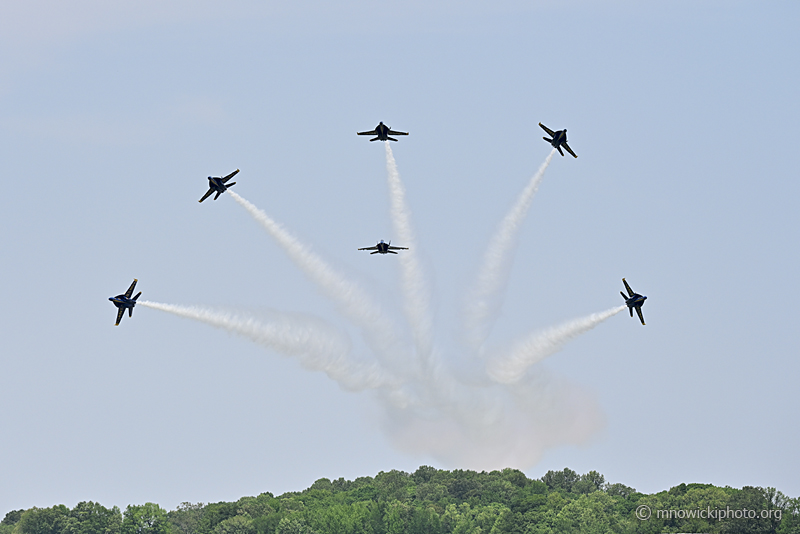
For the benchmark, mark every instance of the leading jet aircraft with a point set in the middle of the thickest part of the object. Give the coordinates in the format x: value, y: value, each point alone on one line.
x: 218, y: 184
x: 633, y: 300
x: 383, y: 132
x: 125, y: 301
x: 384, y: 248
x: 559, y: 139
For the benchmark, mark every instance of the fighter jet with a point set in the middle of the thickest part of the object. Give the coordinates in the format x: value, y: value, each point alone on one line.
x: 558, y: 140
x: 125, y: 302
x: 383, y: 132
x: 384, y: 248
x: 218, y: 184
x: 633, y: 300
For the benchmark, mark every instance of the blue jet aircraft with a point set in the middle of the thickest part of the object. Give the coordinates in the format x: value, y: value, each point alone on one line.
x: 125, y: 301
x: 384, y: 248
x: 559, y: 139
x: 633, y: 300
x: 382, y: 132
x: 217, y: 184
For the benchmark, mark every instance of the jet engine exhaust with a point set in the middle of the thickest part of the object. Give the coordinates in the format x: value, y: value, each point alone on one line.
x: 500, y: 415
x: 315, y: 344
x: 510, y: 367
x: 353, y: 302
x: 415, y: 287
x: 484, y: 302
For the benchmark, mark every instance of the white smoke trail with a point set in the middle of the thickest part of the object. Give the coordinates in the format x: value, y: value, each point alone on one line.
x: 354, y: 303
x: 506, y: 417
x: 500, y: 426
x: 315, y: 344
x: 510, y: 367
x: 484, y: 301
x: 415, y: 287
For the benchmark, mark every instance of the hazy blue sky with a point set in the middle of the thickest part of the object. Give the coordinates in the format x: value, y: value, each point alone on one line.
x: 684, y: 116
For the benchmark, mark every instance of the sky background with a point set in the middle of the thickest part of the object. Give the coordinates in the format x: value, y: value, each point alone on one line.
x: 684, y: 117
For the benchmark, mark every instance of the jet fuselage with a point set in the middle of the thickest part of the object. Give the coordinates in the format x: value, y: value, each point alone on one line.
x: 559, y: 137
x: 121, y: 301
x: 216, y: 184
x: 635, y: 301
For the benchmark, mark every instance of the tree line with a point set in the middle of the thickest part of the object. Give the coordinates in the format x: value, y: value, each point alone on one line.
x: 434, y: 501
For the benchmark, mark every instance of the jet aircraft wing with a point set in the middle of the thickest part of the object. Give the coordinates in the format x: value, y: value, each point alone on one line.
x: 210, y: 190
x: 371, y: 132
x: 120, y: 313
x: 566, y: 146
x: 369, y: 248
x: 392, y: 132
x: 129, y: 292
x: 231, y: 175
x: 550, y: 132
x: 639, y: 312
x: 630, y: 291
x: 398, y: 248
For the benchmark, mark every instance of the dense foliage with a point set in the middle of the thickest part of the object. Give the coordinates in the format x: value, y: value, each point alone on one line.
x: 440, y: 502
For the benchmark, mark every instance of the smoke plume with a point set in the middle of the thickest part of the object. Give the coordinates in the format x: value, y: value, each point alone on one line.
x: 415, y: 287
x: 507, y: 413
x: 510, y: 367
x: 353, y: 302
x: 484, y: 301
x: 315, y: 344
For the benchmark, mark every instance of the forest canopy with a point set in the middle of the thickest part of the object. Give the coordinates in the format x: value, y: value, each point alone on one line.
x: 437, y: 501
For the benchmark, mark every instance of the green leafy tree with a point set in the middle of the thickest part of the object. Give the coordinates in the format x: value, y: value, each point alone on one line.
x: 591, y: 513
x: 10, y: 520
x: 561, y: 480
x: 93, y: 518
x: 294, y: 525
x: 755, y: 500
x: 424, y: 473
x: 238, y: 524
x: 256, y: 506
x: 620, y: 490
x: 148, y: 518
x: 43, y: 520
x: 588, y: 483
x: 790, y: 517
x: 186, y: 519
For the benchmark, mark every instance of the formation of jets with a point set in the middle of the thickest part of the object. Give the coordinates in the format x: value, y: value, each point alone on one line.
x: 125, y: 302
x: 219, y: 184
x: 633, y: 300
x: 384, y: 248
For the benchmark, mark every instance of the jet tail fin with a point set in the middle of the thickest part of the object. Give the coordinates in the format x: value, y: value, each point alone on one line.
x: 374, y: 139
x: 548, y: 140
x: 130, y: 311
x: 630, y: 309
x: 391, y: 138
x: 137, y: 295
x: 217, y: 195
x: 623, y: 295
